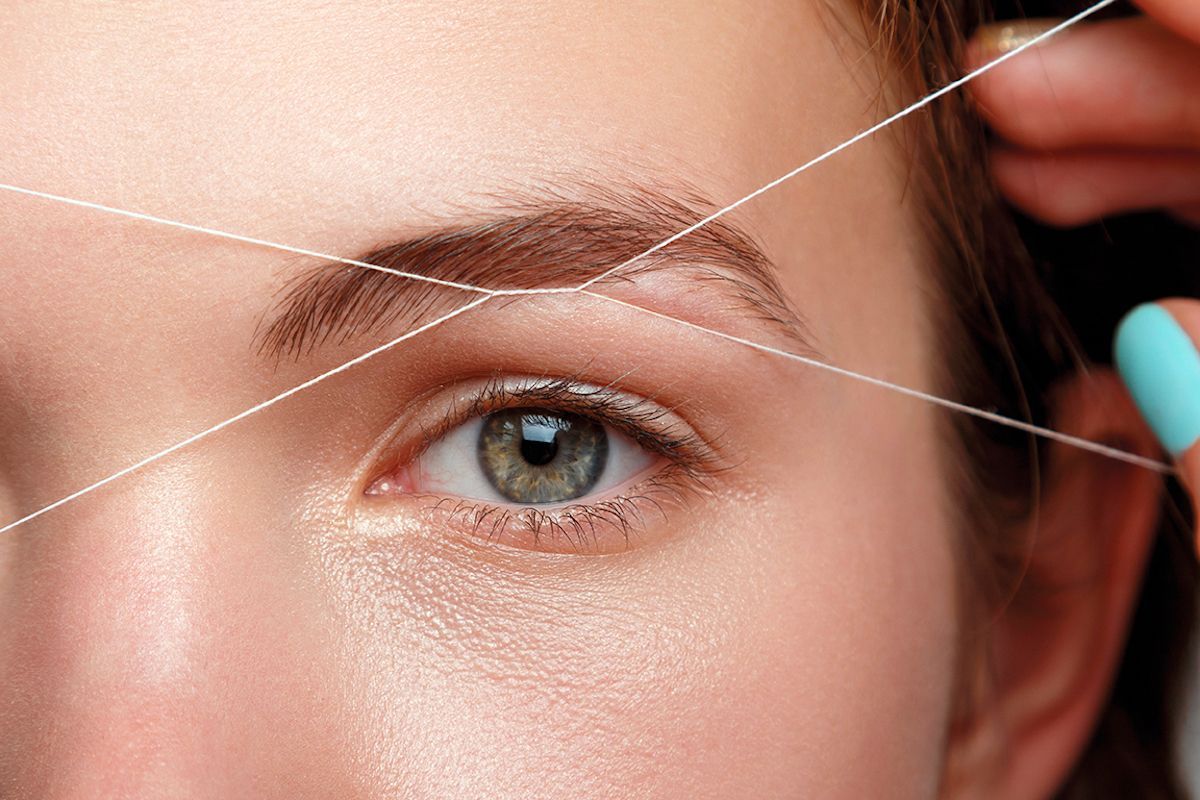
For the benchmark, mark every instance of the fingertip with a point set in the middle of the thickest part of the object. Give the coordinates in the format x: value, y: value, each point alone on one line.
x: 1121, y: 82
x: 1158, y: 360
x: 994, y: 40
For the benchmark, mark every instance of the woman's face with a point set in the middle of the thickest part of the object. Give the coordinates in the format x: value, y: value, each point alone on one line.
x: 749, y: 591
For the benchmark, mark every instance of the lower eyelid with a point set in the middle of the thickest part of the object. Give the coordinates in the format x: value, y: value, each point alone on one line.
x: 613, y: 524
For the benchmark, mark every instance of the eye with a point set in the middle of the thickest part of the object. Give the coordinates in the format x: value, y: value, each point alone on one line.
x: 530, y: 456
x: 546, y: 464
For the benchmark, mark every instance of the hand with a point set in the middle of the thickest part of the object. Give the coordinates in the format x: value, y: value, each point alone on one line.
x: 1104, y: 119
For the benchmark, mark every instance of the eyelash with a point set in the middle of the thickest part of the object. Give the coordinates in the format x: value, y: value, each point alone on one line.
x: 692, y: 462
x: 625, y: 513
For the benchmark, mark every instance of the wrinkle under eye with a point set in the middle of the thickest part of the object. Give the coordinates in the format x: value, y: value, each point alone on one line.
x: 540, y: 456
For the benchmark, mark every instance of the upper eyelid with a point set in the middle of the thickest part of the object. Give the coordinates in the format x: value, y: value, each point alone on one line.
x: 691, y: 449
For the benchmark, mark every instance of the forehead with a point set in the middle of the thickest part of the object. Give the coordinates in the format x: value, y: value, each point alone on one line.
x: 335, y: 126
x: 368, y: 112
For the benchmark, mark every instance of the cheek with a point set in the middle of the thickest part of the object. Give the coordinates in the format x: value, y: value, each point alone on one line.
x: 790, y: 633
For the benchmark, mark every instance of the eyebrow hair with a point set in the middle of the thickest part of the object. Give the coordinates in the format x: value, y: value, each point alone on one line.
x: 548, y: 241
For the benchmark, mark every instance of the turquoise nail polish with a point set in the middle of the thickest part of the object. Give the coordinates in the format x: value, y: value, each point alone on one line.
x: 1161, y: 367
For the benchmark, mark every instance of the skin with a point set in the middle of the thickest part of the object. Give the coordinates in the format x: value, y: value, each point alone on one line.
x: 239, y: 620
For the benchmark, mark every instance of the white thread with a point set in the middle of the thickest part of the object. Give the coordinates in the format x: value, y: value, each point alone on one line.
x: 238, y: 417
x: 237, y: 237
x: 918, y: 105
x: 287, y: 248
x: 1084, y: 444
x: 1027, y: 427
x: 858, y: 137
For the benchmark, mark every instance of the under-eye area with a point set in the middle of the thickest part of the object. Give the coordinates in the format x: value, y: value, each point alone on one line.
x: 550, y: 464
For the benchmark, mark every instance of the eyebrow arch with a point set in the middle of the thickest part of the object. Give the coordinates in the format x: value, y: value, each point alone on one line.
x: 536, y: 243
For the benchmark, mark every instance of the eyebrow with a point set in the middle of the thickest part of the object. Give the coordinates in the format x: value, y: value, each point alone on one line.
x: 535, y: 243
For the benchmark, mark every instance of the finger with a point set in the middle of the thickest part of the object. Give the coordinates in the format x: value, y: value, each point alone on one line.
x: 1127, y: 82
x: 1156, y: 354
x: 1181, y: 16
x: 1072, y: 188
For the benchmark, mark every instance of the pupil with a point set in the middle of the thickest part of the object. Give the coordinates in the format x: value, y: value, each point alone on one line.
x: 539, y: 441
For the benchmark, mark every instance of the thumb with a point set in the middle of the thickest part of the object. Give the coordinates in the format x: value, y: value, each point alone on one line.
x: 1156, y: 354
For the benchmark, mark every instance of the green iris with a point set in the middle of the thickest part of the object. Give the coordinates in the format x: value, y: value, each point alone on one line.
x: 532, y: 455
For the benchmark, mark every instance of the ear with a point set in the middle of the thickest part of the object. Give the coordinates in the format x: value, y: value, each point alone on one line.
x: 1052, y: 653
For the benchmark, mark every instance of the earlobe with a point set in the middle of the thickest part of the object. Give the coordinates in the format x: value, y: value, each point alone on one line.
x: 1054, y: 651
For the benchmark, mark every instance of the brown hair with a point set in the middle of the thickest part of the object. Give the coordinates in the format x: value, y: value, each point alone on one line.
x: 1025, y: 306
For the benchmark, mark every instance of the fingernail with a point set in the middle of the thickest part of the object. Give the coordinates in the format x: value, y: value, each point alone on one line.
x: 1160, y: 365
x: 1000, y: 37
